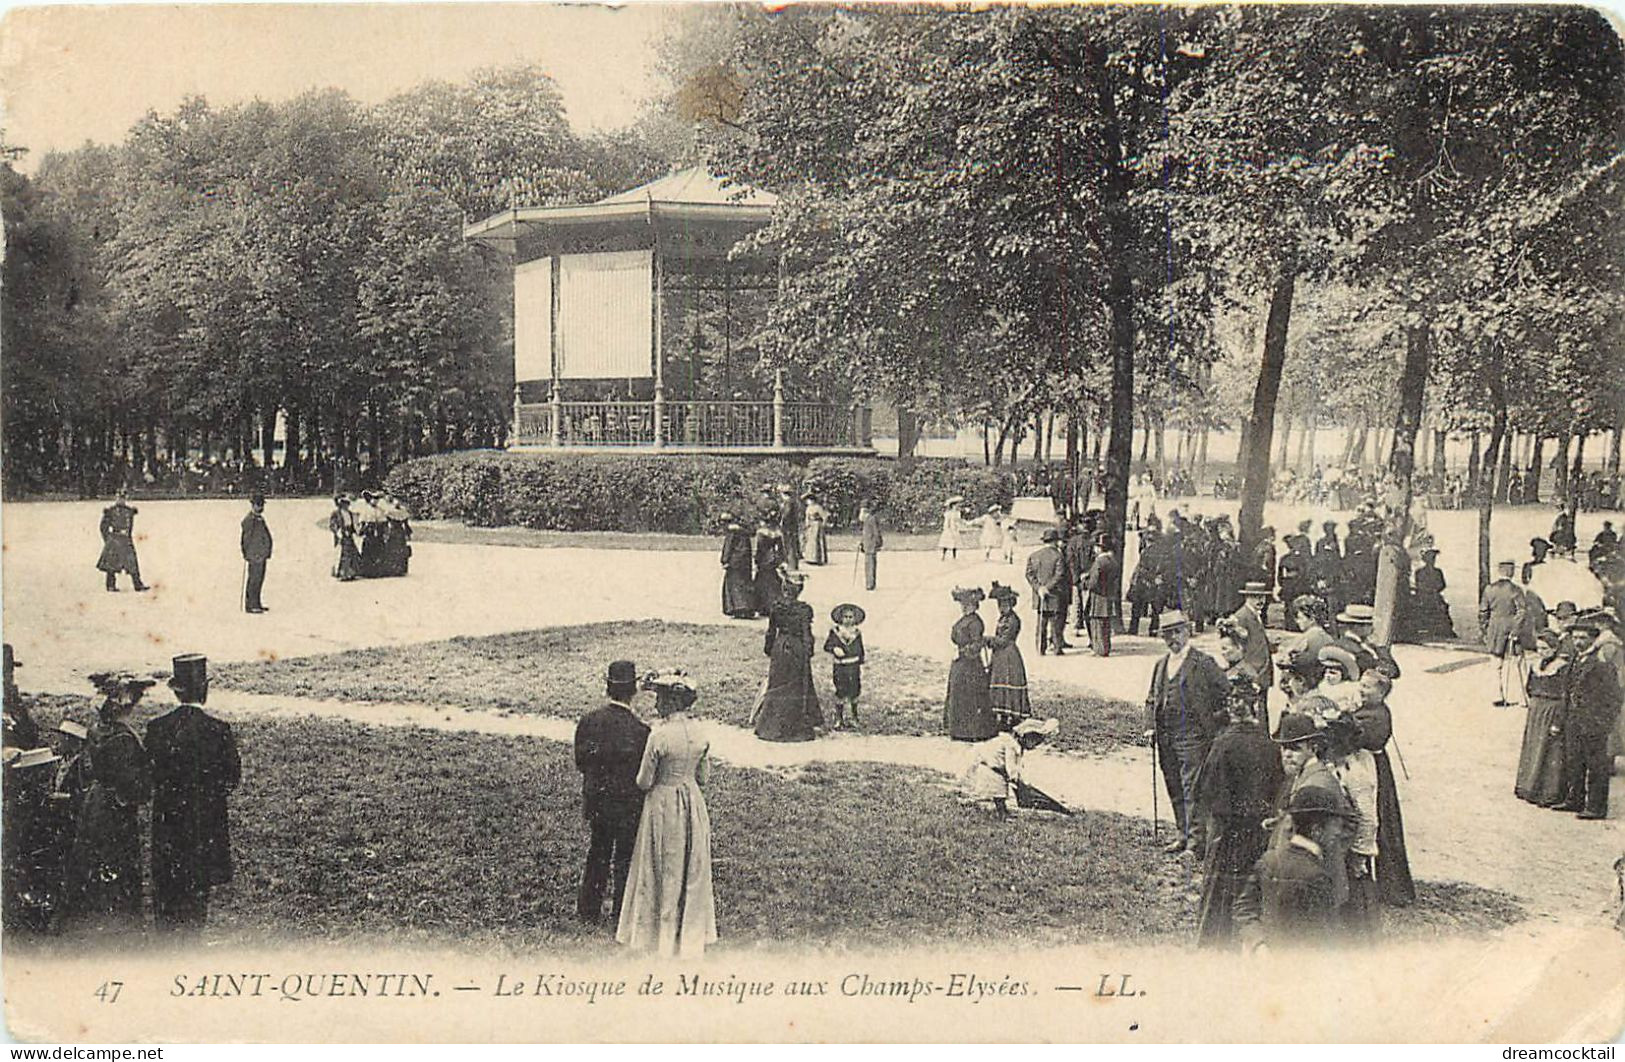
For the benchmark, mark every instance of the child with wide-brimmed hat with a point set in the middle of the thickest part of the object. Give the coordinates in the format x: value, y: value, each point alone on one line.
x: 844, y: 644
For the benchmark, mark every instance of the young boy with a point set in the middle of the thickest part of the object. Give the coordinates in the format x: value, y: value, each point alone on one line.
x: 845, y: 645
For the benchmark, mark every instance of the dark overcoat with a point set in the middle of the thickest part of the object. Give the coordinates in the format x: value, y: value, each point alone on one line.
x: 195, y: 766
x: 609, y: 749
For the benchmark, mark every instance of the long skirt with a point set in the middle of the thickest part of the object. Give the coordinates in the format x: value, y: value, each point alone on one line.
x: 1007, y: 685
x: 106, y: 860
x: 738, y: 593
x: 848, y: 679
x: 669, y: 906
x: 815, y: 543
x: 767, y: 589
x: 1394, y: 885
x: 968, y: 712
x: 790, y: 708
x: 1234, y: 846
x: 1540, y: 764
x: 348, y: 566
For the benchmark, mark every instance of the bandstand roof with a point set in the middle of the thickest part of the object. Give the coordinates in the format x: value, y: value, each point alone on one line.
x: 694, y: 207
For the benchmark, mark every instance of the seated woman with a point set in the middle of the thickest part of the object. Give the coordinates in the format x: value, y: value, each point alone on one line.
x: 995, y: 769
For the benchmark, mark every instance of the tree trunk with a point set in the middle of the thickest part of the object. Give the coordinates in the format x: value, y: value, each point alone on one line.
x: 1201, y: 458
x: 1472, y: 464
x: 1503, y: 471
x: 1254, y: 456
x: 1074, y: 466
x: 1401, y: 467
x: 1440, y: 440
x: 1611, y: 466
x: 1486, y: 487
x: 1124, y: 235
x: 1531, y: 486
x: 1286, y: 441
x: 1560, y: 468
x: 290, y: 453
x: 268, y: 436
x: 1038, y: 438
x: 1576, y: 473
x: 1159, y: 452
x: 1049, y: 436
x: 1145, y: 438
x: 908, y: 436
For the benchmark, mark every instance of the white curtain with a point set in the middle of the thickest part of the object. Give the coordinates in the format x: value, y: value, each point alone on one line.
x: 533, y: 321
x: 605, y: 306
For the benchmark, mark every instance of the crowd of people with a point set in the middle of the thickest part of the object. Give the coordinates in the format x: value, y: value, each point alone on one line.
x: 72, y: 838
x: 372, y: 535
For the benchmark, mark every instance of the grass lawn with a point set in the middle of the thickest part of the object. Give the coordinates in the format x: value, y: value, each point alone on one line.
x: 344, y: 831
x: 561, y: 672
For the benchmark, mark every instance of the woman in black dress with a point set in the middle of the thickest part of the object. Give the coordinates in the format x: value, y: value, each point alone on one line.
x: 1376, y: 726
x: 789, y: 709
x: 1540, y: 764
x: 968, y: 711
x: 738, y: 587
x: 1007, y: 670
x: 106, y: 862
x: 769, y: 586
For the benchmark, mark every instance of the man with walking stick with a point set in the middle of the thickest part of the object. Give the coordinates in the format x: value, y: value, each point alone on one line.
x: 870, y: 541
x: 1183, y: 709
x: 256, y: 545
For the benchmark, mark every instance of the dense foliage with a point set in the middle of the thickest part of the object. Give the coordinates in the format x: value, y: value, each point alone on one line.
x: 174, y: 296
x: 681, y: 494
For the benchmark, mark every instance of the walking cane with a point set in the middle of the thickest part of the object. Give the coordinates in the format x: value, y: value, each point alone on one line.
x: 857, y: 557
x: 1155, y: 814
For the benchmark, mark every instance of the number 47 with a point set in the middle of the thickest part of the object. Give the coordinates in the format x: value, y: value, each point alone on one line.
x: 108, y: 992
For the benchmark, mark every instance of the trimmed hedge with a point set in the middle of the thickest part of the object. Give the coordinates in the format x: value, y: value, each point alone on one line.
x: 674, y: 494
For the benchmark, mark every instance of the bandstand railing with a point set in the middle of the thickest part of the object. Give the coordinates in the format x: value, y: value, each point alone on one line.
x: 701, y: 424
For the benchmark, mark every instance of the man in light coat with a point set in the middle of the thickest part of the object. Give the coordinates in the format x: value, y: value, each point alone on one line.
x: 1501, y: 620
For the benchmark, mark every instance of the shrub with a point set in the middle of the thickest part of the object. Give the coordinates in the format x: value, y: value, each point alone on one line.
x: 675, y: 493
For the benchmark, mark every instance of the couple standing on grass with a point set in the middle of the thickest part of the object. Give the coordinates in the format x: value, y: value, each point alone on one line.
x: 651, y: 832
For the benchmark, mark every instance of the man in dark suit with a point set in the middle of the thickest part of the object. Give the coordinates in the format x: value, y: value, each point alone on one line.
x: 1183, y: 712
x: 195, y: 766
x: 1594, y: 696
x: 609, y: 750
x: 1501, y: 616
x: 1046, y: 574
x: 1080, y: 553
x: 256, y: 543
x: 1255, y: 598
x: 1101, y: 606
x: 870, y: 541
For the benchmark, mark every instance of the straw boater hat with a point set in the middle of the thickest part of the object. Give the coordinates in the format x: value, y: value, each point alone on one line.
x: 35, y: 758
x: 1255, y: 590
x: 972, y: 594
x: 1045, y: 728
x: 993, y: 510
x: 1172, y: 618
x: 1330, y: 656
x: 72, y: 729
x: 1357, y: 614
x: 1000, y: 592
x: 954, y: 499
x: 846, y: 614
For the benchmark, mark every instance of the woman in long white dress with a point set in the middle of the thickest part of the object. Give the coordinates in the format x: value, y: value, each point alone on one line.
x: 814, y: 533
x: 669, y: 906
x: 953, y: 525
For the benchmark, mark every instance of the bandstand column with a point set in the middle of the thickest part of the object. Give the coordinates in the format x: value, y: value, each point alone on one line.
x: 555, y: 398
x: 778, y: 408
x: 659, y: 352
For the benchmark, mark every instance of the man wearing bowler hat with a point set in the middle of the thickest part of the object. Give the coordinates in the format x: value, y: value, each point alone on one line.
x: 1255, y: 599
x: 256, y: 552
x: 609, y: 750
x: 1183, y: 713
x: 195, y: 766
x: 1046, y: 574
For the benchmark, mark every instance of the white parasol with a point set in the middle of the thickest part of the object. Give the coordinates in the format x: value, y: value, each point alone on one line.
x: 1559, y: 579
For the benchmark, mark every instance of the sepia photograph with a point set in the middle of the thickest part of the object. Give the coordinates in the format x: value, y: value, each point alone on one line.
x: 878, y: 523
